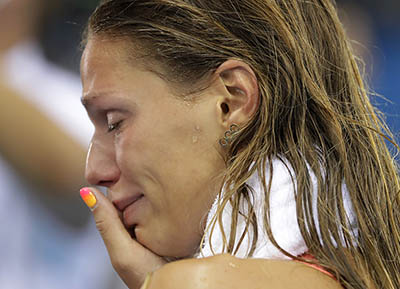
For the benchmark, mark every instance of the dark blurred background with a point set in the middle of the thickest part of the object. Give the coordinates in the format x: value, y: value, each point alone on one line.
x: 375, y: 28
x: 62, y: 28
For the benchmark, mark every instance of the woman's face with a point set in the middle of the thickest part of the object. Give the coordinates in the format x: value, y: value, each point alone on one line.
x: 157, y: 154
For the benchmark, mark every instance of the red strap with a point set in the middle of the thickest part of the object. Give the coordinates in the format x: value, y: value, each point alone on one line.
x: 315, y: 266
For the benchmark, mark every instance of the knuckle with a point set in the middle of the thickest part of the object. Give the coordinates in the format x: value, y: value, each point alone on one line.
x: 102, y: 227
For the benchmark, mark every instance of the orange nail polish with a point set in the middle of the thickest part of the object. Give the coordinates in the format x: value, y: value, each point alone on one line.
x: 88, y: 197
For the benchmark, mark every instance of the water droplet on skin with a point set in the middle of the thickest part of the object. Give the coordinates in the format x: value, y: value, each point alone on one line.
x: 232, y: 265
x: 195, y: 139
x: 197, y: 128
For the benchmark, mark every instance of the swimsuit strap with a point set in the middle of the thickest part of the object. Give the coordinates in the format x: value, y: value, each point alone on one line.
x: 315, y: 266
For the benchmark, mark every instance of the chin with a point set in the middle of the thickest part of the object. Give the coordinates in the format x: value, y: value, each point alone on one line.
x: 171, y: 250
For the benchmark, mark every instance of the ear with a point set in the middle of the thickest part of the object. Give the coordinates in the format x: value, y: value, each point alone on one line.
x: 239, y: 99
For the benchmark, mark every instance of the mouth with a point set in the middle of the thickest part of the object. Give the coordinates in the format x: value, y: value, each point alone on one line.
x: 131, y: 232
x: 130, y: 215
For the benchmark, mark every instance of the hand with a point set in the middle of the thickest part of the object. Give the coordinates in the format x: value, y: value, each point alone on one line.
x: 129, y: 258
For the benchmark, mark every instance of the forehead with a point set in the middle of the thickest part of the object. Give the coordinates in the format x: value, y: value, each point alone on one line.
x: 109, y: 59
x: 110, y: 67
x: 106, y: 59
x: 100, y: 50
x: 118, y: 51
x: 103, y: 66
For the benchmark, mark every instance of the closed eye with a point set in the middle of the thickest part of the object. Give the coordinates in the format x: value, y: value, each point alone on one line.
x: 114, y: 126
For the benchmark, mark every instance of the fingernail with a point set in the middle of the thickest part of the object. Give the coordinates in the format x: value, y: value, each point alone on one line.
x: 88, y: 197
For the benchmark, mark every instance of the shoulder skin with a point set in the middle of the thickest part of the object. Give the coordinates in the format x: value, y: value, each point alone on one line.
x: 227, y: 272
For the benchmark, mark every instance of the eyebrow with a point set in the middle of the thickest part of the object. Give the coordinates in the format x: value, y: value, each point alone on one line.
x: 98, y: 100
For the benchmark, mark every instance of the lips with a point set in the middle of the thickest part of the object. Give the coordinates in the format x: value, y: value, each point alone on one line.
x: 122, y: 204
x: 130, y: 214
x: 128, y: 209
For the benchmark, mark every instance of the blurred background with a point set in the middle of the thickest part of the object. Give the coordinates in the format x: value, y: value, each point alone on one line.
x: 374, y: 27
x: 47, y: 236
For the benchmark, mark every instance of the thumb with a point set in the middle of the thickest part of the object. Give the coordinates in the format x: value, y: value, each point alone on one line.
x: 129, y: 258
x: 108, y: 223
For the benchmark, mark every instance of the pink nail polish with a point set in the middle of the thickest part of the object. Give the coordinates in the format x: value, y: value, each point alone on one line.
x: 88, y: 197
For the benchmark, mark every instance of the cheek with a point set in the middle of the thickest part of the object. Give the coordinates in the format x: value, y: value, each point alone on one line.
x: 123, y: 152
x: 192, y: 192
x: 131, y: 143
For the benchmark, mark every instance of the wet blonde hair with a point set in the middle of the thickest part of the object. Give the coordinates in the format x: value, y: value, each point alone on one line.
x: 314, y: 112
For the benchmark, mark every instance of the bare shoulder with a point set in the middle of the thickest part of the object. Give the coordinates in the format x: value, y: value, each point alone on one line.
x: 225, y: 271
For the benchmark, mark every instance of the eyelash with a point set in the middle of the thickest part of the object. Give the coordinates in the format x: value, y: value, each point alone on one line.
x: 114, y: 126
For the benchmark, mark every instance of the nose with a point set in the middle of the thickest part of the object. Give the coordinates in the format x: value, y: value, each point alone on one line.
x: 101, y: 167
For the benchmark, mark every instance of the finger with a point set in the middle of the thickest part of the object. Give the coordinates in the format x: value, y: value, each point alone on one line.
x: 129, y: 258
x: 108, y: 223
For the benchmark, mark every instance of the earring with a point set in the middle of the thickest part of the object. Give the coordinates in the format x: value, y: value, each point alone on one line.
x: 229, y: 135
